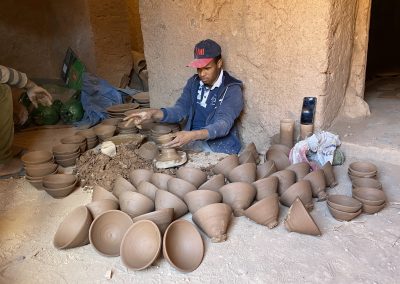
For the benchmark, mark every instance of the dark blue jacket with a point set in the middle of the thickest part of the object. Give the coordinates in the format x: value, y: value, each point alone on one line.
x: 220, y: 123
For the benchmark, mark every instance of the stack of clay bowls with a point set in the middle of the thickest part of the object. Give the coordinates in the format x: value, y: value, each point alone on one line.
x: 91, y: 137
x: 117, y: 111
x: 104, y: 132
x: 66, y: 154
x: 362, y: 170
x: 38, y: 164
x: 59, y: 185
x: 124, y: 127
x: 111, y: 121
x: 75, y: 140
x: 143, y: 99
x: 343, y: 208
x: 280, y: 155
x: 373, y: 200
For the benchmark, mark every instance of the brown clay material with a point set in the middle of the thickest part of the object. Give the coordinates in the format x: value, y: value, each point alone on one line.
x: 148, y: 189
x: 366, y: 182
x: 246, y: 157
x: 200, y: 198
x: 183, y: 246
x: 330, y: 178
x: 266, y: 186
x: 318, y: 185
x: 300, y: 169
x: 62, y: 191
x: 102, y: 193
x: 371, y: 209
x: 243, y: 173
x: 195, y: 176
x: 226, y: 165
x: 135, y: 204
x: 67, y: 156
x: 165, y: 199
x: 214, y: 183
x: 168, y: 154
x: 300, y: 221
x: 148, y: 151
x: 162, y: 218
x: 238, y: 195
x: 344, y: 203
x: 139, y: 175
x: 67, y: 162
x: 98, y: 207
x: 111, y: 121
x: 280, y: 159
x: 214, y: 220
x: 369, y: 196
x: 121, y: 185
x: 343, y: 216
x: 286, y: 178
x: 160, y: 180
x: 87, y: 133
x: 266, y: 169
x: 265, y: 212
x: 59, y: 180
x: 300, y: 189
x: 36, y: 157
x: 41, y: 169
x: 180, y: 187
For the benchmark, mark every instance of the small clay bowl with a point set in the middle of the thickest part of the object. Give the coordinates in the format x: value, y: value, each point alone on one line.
x: 98, y: 207
x: 111, y: 121
x: 121, y: 185
x: 59, y: 180
x: 160, y: 180
x: 369, y: 196
x: 300, y: 189
x: 141, y: 245
x: 138, y: 175
x: 30, y: 178
x: 243, y: 173
x: 265, y: 212
x: 366, y: 182
x: 301, y: 170
x: 266, y: 186
x: 226, y: 165
x: 266, y: 169
x: 74, y: 229
x: 67, y: 162
x: 183, y: 246
x: 162, y: 218
x: 135, y: 204
x: 74, y: 139
x: 195, y: 176
x: 36, y: 157
x: 247, y: 157
x: 361, y: 174
x: 180, y: 187
x: 371, y: 209
x: 344, y: 203
x: 165, y: 199
x: 214, y: 183
x: 62, y: 191
x: 148, y: 189
x: 148, y: 151
x: 200, y: 198
x: 286, y: 178
x: 64, y: 149
x: 363, y: 168
x: 67, y: 156
x: 238, y: 195
x: 41, y: 169
x: 160, y: 129
x: 105, y: 131
x: 342, y: 215
x: 280, y: 159
x: 102, y: 193
x: 87, y: 133
x: 280, y: 147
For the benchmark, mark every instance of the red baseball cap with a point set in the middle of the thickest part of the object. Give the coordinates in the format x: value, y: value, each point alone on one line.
x: 204, y: 52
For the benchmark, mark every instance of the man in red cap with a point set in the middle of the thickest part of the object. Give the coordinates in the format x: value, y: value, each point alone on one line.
x: 210, y: 103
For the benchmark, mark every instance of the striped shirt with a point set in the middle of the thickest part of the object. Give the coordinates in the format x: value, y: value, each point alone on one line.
x: 12, y: 77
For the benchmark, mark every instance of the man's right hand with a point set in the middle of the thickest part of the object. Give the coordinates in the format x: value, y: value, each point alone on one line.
x: 140, y: 116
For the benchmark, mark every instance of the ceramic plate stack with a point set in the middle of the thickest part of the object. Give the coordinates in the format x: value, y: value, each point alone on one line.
x: 118, y: 110
x: 66, y: 154
x: 38, y: 164
x: 143, y: 99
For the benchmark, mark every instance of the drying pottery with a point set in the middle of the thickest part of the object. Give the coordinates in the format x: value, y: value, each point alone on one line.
x: 98, y: 207
x: 372, y: 209
x: 148, y: 151
x: 41, y: 169
x: 238, y: 195
x: 366, y: 182
x: 266, y: 169
x: 280, y: 147
x: 74, y: 139
x: 369, y: 196
x: 226, y: 165
x: 67, y: 156
x: 195, y: 176
x: 29, y: 178
x: 102, y: 193
x: 148, y: 189
x: 286, y: 178
x: 165, y: 199
x: 200, y: 198
x: 363, y: 169
x: 180, y: 187
x: 251, y: 147
x: 243, y: 173
x: 300, y: 189
x: 214, y: 183
x: 87, y: 133
x: 265, y: 212
x: 63, y: 149
x: 318, y: 185
x: 183, y: 246
x: 342, y: 215
x: 160, y: 180
x: 330, y: 179
x: 344, y: 203
x: 162, y: 218
x: 246, y: 157
x: 135, y: 204
x: 300, y: 221
x: 280, y: 159
x: 121, y: 185
x: 139, y: 175
x: 107, y: 231
x: 61, y: 191
x: 265, y: 187
x: 105, y: 131
x: 36, y: 157
x: 286, y: 133
x: 300, y: 169
x: 111, y: 121
x: 74, y: 229
x: 214, y: 219
x: 67, y: 162
x: 141, y: 245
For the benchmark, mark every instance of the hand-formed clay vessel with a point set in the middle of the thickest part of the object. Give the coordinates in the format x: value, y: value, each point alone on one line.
x: 300, y: 169
x: 200, y: 198
x: 162, y: 218
x: 238, y: 195
x: 214, y: 183
x: 330, y: 178
x: 280, y: 159
x: 74, y: 229
x: 183, y: 246
x: 105, y: 131
x: 195, y: 176
x: 98, y: 207
x: 286, y: 178
x: 148, y: 189
x: 165, y: 199
x: 63, y: 149
x: 251, y: 147
x: 266, y: 186
x: 372, y: 209
x: 62, y: 191
x: 148, y: 151
x: 107, y: 231
x: 265, y: 211
x: 246, y: 157
x: 160, y: 180
x: 135, y: 204
x: 214, y: 219
x: 138, y: 175
x: 102, y: 193
x: 343, y: 216
x: 243, y: 173
x: 36, y: 157
x: 226, y: 165
x: 318, y: 185
x: 300, y: 221
x: 59, y: 180
x: 141, y: 245
x: 121, y: 185
x: 366, y: 182
x: 369, y: 196
x: 180, y: 187
x: 168, y: 154
x: 266, y: 169
x: 300, y: 189
x: 363, y: 169
x: 40, y: 170
x: 344, y: 203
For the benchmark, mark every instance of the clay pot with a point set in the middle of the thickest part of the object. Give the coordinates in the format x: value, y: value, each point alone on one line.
x: 300, y: 221
x: 371, y: 209
x: 318, y: 185
x: 141, y: 245
x: 164, y: 139
x: 251, y: 147
x: 200, y: 198
x: 214, y: 183
x: 165, y: 199
x: 343, y: 216
x: 366, y: 182
x: 195, y: 176
x: 61, y: 191
x: 139, y: 175
x: 36, y: 157
x: 246, y: 157
x: 280, y: 147
x: 64, y: 149
x: 111, y: 121
x: 162, y: 218
x: 330, y: 179
x: 87, y: 133
x: 67, y: 162
x: 180, y: 187
x: 107, y: 231
x: 286, y: 178
x: 280, y: 159
x: 266, y: 169
x: 148, y: 189
x: 135, y: 204
x: 226, y: 165
x: 121, y: 185
x: 369, y: 196
x: 363, y: 169
x: 300, y: 169
x: 41, y: 169
x: 159, y: 129
x: 160, y: 180
x: 98, y: 207
x: 238, y: 195
x: 67, y: 156
x: 102, y: 193
x: 265, y: 212
x: 265, y: 187
x: 300, y: 189
x: 105, y: 131
x: 74, y: 229
x: 148, y: 151
x: 344, y: 203
x: 243, y: 173
x: 183, y: 246
x: 214, y: 219
x: 168, y: 154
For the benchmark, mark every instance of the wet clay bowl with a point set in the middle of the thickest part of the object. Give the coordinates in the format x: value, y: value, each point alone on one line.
x: 41, y: 169
x: 74, y: 229
x: 226, y: 165
x: 183, y: 246
x: 371, y: 209
x: 243, y: 173
x: 87, y: 133
x: 121, y: 185
x: 98, y: 207
x: 148, y: 151
x: 266, y: 169
x: 36, y: 157
x: 67, y: 162
x: 280, y: 147
x: 180, y: 187
x: 363, y: 169
x: 163, y: 139
x: 148, y: 189
x: 301, y: 170
x: 265, y: 212
x: 342, y: 215
x: 162, y: 218
x: 366, y: 182
x: 59, y: 180
x: 62, y: 191
x: 246, y: 157
x: 286, y: 178
x: 102, y: 193
x: 200, y: 198
x: 111, y: 121
x: 135, y: 204
x: 238, y: 195
x: 300, y: 221
x: 214, y: 183
x: 158, y: 130
x: 280, y: 159
x: 344, y: 203
x: 138, y: 175
x: 369, y: 196
x: 165, y: 199
x: 300, y: 189
x: 37, y: 178
x: 65, y: 149
x: 160, y: 180
x: 141, y: 245
x: 105, y: 131
x: 74, y: 139
x: 266, y: 186
x: 195, y: 176
x: 67, y: 156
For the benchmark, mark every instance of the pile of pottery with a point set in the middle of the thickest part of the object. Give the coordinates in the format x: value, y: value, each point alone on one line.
x: 143, y: 99
x: 91, y: 137
x: 59, y: 185
x: 117, y: 111
x: 76, y: 139
x: 38, y: 164
x: 66, y: 154
x: 104, y: 131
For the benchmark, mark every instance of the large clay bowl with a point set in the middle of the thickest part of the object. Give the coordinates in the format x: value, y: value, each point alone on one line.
x: 238, y: 195
x: 148, y: 151
x: 98, y: 207
x: 363, y: 169
x: 265, y: 212
x: 366, y: 182
x: 300, y: 189
x: 330, y: 178
x: 265, y: 187
x: 246, y: 157
x: 300, y: 221
x: 160, y: 180
x: 138, y: 175
x: 141, y: 245
x: 74, y: 229
x: 280, y: 159
x: 195, y: 176
x: 369, y: 196
x: 243, y: 173
x: 300, y: 169
x: 135, y: 204
x: 266, y: 169
x: 65, y: 149
x: 200, y: 198
x: 102, y: 193
x: 286, y: 178
x: 59, y: 180
x: 162, y: 218
x: 148, y: 189
x: 62, y: 191
x: 121, y: 185
x: 214, y: 219
x: 318, y: 185
x: 105, y: 131
x: 36, y: 157
x: 183, y: 246
x: 41, y: 169
x: 226, y: 165
x: 371, y: 209
x: 280, y: 147
x: 344, y: 203
x: 165, y: 199
x: 214, y: 183
x: 342, y: 215
x: 107, y: 231
x: 180, y: 187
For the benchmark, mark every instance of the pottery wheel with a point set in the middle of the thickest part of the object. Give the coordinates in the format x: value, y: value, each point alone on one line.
x: 173, y: 163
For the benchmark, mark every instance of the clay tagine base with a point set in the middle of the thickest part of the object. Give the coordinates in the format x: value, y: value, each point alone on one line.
x: 173, y: 163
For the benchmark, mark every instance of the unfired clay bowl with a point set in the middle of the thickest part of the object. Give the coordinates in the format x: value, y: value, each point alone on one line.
x: 41, y: 169
x: 344, y: 203
x: 195, y: 176
x: 165, y: 199
x: 301, y: 170
x: 369, y: 196
x: 318, y: 184
x: 330, y: 178
x: 266, y: 169
x: 363, y: 168
x: 121, y: 185
x: 286, y: 178
x: 342, y: 215
x: 160, y: 180
x: 214, y: 183
x: 200, y: 198
x: 300, y: 189
x: 148, y: 189
x: 280, y: 147
x: 366, y: 182
x: 162, y: 218
x: 98, y: 207
x: 102, y: 193
x: 64, y: 149
x: 243, y: 173
x: 180, y: 187
x: 148, y: 151
x: 135, y: 204
x: 300, y: 221
x: 371, y: 209
x: 226, y: 165
x: 59, y: 180
x: 238, y: 195
x: 105, y: 131
x: 67, y: 162
x: 265, y: 212
x: 36, y: 157
x: 138, y: 175
x: 280, y: 159
x: 62, y: 191
x: 74, y: 139
x: 266, y: 186
x: 246, y: 157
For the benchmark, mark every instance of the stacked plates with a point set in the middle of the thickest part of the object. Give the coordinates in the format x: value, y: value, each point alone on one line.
x: 143, y: 99
x: 38, y: 164
x: 119, y: 110
x: 66, y: 154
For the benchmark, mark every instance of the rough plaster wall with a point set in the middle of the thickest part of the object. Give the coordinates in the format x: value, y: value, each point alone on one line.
x: 135, y: 26
x: 277, y: 48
